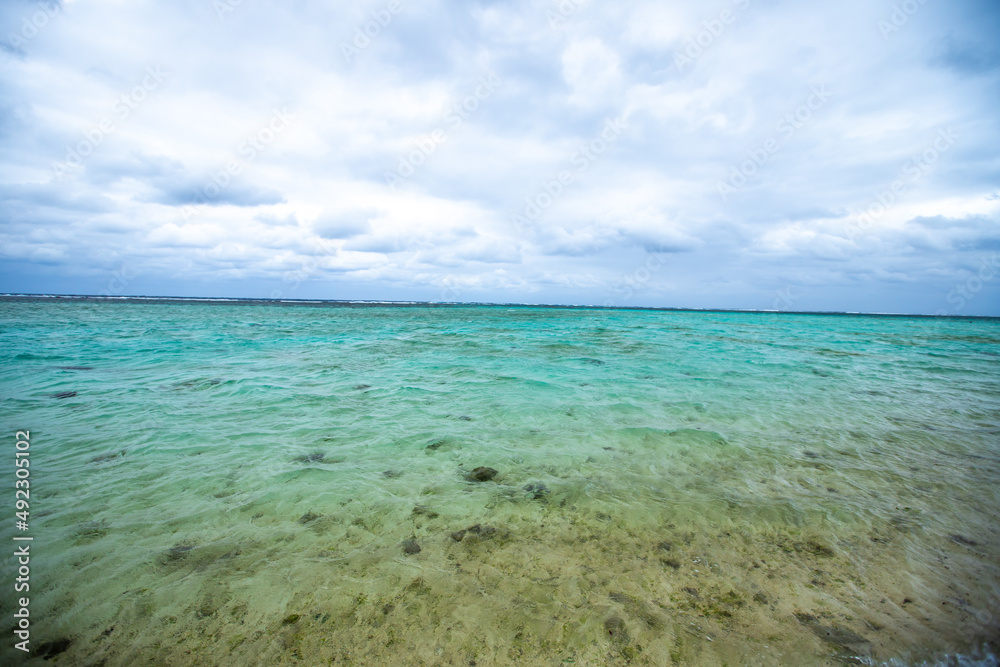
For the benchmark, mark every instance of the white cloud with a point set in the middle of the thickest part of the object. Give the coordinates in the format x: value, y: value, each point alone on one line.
x: 592, y: 71
x: 312, y: 199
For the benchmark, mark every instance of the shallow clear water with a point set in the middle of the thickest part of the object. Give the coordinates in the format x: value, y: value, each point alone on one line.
x: 235, y: 484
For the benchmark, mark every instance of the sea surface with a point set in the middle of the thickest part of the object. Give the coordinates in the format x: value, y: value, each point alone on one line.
x: 243, y: 484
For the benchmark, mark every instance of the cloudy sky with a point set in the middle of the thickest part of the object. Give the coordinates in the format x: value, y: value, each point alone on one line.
x: 723, y: 154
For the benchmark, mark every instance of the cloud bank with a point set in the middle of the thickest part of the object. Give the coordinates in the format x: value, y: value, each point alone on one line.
x: 730, y: 154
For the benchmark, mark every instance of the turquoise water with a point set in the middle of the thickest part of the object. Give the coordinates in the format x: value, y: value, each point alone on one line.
x: 240, y: 484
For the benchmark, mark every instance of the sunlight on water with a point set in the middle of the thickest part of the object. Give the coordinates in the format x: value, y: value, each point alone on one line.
x: 235, y: 484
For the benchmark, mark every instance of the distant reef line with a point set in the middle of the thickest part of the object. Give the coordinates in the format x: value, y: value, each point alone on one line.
x: 360, y: 303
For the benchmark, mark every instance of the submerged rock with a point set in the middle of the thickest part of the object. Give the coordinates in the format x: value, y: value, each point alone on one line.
x: 101, y: 458
x: 177, y: 552
x: 422, y: 510
x: 815, y: 547
x: 51, y: 649
x: 410, y: 547
x: 482, y: 474
x: 671, y: 563
x: 482, y: 532
x: 842, y: 638
x: 315, y: 457
x: 615, y: 627
x: 537, y: 491
x: 91, y: 530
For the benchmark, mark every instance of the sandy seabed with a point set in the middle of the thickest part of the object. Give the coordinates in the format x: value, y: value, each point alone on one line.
x: 541, y: 566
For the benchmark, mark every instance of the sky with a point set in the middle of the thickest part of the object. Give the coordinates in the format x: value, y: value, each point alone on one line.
x: 757, y: 154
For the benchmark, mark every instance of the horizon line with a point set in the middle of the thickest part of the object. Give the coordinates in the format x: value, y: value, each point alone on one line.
x: 438, y: 304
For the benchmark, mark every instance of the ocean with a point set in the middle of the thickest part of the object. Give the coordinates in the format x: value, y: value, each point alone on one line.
x: 232, y: 483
